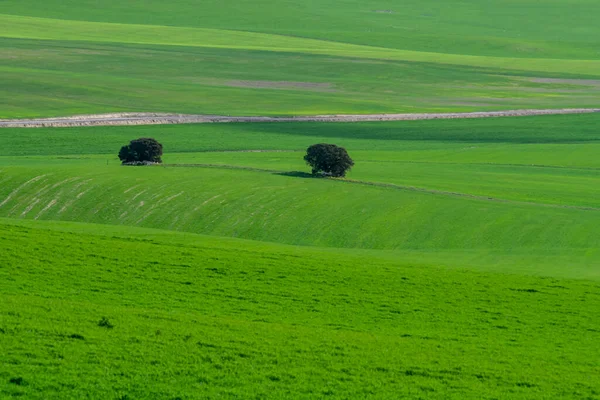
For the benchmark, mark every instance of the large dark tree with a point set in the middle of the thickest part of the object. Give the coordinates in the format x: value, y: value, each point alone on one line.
x: 141, y: 150
x: 328, y: 159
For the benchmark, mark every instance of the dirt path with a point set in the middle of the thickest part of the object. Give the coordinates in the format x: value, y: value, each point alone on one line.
x: 157, y: 118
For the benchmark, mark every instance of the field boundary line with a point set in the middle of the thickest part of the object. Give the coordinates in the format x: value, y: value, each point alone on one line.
x: 383, y: 185
x: 540, y: 166
x: 120, y: 119
x: 466, y: 195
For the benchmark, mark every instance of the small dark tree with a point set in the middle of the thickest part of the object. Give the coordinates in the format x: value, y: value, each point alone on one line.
x: 141, y: 150
x: 328, y: 159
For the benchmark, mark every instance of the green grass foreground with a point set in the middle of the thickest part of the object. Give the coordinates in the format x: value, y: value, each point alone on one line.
x: 192, y: 316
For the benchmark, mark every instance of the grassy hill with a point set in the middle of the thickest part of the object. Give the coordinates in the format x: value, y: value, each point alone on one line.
x: 459, y: 259
x: 189, y: 316
x: 519, y: 193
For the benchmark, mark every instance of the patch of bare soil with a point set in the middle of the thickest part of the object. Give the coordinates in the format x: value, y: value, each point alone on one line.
x: 280, y: 85
x: 262, y: 84
x: 581, y: 82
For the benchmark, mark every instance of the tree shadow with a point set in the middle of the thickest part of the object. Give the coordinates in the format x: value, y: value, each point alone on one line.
x: 296, y: 174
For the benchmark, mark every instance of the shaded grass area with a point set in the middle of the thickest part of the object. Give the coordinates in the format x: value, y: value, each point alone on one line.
x: 210, y: 317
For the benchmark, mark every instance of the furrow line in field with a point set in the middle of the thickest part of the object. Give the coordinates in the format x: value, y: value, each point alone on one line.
x: 467, y: 195
x: 388, y: 185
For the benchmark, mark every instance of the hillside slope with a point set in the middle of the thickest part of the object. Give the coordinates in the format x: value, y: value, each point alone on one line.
x: 189, y: 316
x: 513, y: 194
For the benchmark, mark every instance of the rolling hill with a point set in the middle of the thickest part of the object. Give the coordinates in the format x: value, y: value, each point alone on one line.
x: 459, y: 259
x: 96, y: 310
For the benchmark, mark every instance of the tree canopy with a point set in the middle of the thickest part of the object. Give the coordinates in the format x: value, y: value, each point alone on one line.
x: 328, y: 159
x: 141, y: 150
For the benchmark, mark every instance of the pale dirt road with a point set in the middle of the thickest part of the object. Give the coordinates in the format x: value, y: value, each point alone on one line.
x: 161, y: 119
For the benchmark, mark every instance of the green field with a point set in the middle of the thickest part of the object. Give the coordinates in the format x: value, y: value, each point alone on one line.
x: 69, y: 57
x: 459, y: 259
x: 200, y: 317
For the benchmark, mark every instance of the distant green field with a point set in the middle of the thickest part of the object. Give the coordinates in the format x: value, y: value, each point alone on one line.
x: 197, y: 317
x: 68, y: 57
x: 529, y: 28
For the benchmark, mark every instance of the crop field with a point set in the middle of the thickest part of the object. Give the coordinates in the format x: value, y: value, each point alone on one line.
x: 458, y: 259
x: 190, y: 316
x: 64, y: 57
